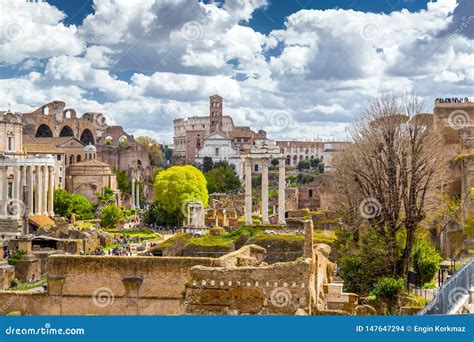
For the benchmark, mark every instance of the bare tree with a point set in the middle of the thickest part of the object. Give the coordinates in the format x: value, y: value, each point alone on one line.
x: 388, y: 169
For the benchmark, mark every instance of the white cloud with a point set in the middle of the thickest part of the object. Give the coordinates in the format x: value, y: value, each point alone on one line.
x: 317, y: 72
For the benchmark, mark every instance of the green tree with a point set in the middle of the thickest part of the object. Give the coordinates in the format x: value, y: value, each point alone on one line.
x: 207, y: 164
x: 62, y: 203
x: 178, y: 185
x: 81, y: 207
x: 222, y: 179
x: 314, y: 163
x: 304, y: 165
x: 110, y: 216
x: 157, y: 215
x: 65, y: 204
x: 426, y: 260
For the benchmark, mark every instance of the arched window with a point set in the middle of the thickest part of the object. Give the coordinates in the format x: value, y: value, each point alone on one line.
x: 78, y: 158
x: 87, y: 137
x: 66, y: 132
x: 310, y: 193
x: 44, y: 131
x: 71, y: 159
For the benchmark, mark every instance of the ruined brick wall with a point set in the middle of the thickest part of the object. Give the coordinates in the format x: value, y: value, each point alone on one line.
x: 277, y: 289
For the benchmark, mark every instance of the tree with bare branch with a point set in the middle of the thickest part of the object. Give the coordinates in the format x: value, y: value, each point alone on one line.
x: 387, y: 171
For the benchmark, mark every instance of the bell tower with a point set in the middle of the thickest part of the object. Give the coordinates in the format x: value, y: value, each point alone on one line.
x: 215, y: 113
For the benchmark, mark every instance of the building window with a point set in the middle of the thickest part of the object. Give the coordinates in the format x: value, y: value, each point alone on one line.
x: 58, y: 157
x: 217, y: 151
x: 10, y: 143
x: 310, y: 193
x: 256, y: 167
x: 60, y: 180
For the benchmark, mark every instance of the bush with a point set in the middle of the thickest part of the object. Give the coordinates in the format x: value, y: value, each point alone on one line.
x: 110, y: 216
x: 387, y: 289
x: 18, y: 255
x: 65, y: 204
x: 426, y: 260
x: 351, y: 271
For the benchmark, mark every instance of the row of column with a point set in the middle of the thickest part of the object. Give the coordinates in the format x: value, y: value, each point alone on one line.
x: 248, y: 191
x: 32, y: 191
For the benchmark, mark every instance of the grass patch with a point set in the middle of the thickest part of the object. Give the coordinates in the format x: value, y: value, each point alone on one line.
x: 324, y: 236
x: 144, y: 233
x: 211, y: 241
x: 180, y: 238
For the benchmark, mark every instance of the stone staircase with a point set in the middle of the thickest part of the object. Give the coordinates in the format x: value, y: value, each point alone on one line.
x: 336, y: 299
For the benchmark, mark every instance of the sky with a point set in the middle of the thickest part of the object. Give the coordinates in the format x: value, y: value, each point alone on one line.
x: 299, y: 69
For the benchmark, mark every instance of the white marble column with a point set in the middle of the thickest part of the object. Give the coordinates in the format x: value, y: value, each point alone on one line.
x: 51, y: 192
x: 44, y: 210
x: 281, y: 191
x: 23, y: 185
x: 16, y: 203
x: 224, y: 218
x: 4, y: 190
x: 265, y: 191
x: 133, y: 193
x: 30, y: 188
x: 138, y: 196
x: 38, y: 190
x: 248, y: 191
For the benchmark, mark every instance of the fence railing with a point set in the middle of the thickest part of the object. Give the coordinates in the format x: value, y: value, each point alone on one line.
x: 456, y: 289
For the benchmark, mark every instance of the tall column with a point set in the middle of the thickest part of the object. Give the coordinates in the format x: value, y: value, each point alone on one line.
x: 138, y: 196
x: 30, y: 191
x: 4, y: 190
x: 248, y: 191
x: 265, y: 191
x: 16, y: 192
x: 224, y: 218
x: 23, y: 185
x: 51, y: 192
x: 281, y: 191
x: 38, y: 190
x: 44, y: 210
x: 133, y: 193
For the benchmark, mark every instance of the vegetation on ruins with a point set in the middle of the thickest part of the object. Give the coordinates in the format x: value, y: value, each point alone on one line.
x: 384, y: 178
x: 110, y: 215
x: 154, y: 149
x: 124, y: 183
x: 107, y: 196
x: 178, y: 185
x: 66, y: 204
x: 387, y: 290
x: 18, y: 255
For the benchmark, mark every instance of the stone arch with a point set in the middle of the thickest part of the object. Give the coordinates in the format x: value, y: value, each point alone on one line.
x: 288, y: 160
x: 44, y: 131
x: 87, y: 137
x: 66, y: 131
x: 71, y: 159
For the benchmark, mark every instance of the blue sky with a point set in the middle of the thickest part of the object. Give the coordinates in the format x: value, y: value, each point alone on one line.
x: 301, y: 69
